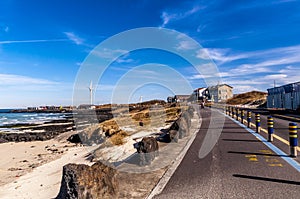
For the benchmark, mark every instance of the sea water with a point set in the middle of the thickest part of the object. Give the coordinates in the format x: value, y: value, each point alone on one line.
x: 8, y: 118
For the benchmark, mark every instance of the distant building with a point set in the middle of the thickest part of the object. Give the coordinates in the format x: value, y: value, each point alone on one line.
x: 220, y: 93
x: 199, y: 94
x: 285, y: 97
x: 32, y: 108
x: 170, y: 99
x: 181, y: 98
x: 86, y: 106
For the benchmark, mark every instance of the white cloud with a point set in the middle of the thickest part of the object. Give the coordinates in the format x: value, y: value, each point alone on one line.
x: 74, y: 38
x: 109, y: 53
x: 30, y: 41
x: 203, y: 54
x: 275, y: 56
x: 219, y: 55
x: 168, y: 17
x: 18, y: 80
x: 244, y: 88
x: 186, y: 45
x: 201, y: 27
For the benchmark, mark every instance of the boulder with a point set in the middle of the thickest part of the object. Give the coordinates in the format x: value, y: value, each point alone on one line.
x: 83, y: 181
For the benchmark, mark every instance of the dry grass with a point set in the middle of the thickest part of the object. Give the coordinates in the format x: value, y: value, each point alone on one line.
x: 251, y: 98
x: 148, y: 115
x: 118, y: 138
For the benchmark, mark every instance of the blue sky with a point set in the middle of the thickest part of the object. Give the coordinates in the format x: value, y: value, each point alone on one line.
x: 43, y: 44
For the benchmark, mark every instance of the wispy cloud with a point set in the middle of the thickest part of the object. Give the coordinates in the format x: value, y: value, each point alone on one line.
x: 109, y: 53
x: 258, y: 70
x: 19, y: 80
x: 6, y: 29
x: 284, y: 1
x: 269, y: 57
x: 186, y: 45
x: 31, y: 41
x: 74, y: 38
x: 167, y: 17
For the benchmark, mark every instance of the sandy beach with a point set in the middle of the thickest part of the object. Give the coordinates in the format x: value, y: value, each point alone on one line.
x: 34, y: 169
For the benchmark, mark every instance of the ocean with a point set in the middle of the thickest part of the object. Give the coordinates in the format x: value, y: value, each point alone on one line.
x: 7, y: 118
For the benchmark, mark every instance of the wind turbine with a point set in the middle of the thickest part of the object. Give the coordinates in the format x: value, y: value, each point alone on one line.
x: 141, y: 99
x: 91, y: 92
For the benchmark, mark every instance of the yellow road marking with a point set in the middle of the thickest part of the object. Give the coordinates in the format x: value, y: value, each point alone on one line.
x: 288, y: 117
x: 275, y: 165
x: 253, y: 159
x: 266, y: 151
x: 250, y: 156
x: 271, y: 160
x: 276, y: 136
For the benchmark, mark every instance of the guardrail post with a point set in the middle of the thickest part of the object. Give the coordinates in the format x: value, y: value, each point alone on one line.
x: 237, y: 114
x: 232, y: 112
x: 293, y: 139
x: 257, y: 119
x: 249, y: 118
x: 242, y: 116
x: 270, y: 128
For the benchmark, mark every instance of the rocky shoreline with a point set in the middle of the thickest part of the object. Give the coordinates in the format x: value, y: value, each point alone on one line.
x: 27, y: 132
x: 38, y: 132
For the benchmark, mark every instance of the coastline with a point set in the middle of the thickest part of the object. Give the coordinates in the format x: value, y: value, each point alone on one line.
x: 33, y: 169
x: 49, y: 157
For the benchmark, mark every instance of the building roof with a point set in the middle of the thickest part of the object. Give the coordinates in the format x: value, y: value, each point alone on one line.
x: 198, y: 89
x: 182, y: 96
x: 219, y: 85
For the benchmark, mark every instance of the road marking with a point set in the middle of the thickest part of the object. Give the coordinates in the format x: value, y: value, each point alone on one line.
x: 276, y: 136
x: 275, y: 165
x: 288, y: 117
x: 284, y: 156
x: 271, y: 160
x: 252, y: 158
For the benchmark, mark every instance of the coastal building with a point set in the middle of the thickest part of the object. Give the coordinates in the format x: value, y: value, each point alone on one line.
x: 181, y: 98
x: 199, y: 94
x: 86, y: 106
x: 284, y: 97
x: 170, y: 99
x: 220, y: 93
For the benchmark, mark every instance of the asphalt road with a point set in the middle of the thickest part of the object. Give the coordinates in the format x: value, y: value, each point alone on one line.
x: 281, y: 129
x: 239, y: 166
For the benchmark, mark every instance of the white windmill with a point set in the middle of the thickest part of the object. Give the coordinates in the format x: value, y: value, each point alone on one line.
x: 141, y: 99
x: 91, y: 89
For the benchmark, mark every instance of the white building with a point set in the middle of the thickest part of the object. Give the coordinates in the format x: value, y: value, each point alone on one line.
x: 220, y: 93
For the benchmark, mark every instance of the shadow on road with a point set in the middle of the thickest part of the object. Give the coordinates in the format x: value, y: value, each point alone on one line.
x: 251, y: 153
x: 266, y: 179
x: 236, y: 140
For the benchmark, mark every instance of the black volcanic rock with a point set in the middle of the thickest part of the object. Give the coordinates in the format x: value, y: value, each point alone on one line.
x: 83, y: 181
x: 75, y: 138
